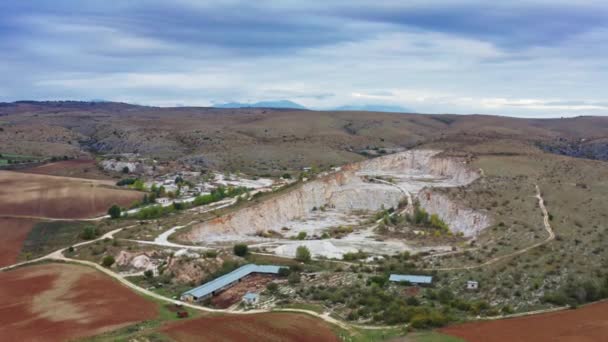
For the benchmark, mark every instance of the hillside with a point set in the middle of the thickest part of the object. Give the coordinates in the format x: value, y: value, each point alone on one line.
x: 271, y: 140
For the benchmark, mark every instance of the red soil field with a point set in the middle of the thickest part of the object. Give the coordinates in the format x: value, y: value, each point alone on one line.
x: 59, y: 302
x: 13, y: 232
x: 586, y: 324
x: 284, y: 327
x: 32, y: 195
x: 79, y: 168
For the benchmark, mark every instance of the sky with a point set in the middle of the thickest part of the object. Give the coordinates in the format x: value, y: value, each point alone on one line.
x: 531, y: 58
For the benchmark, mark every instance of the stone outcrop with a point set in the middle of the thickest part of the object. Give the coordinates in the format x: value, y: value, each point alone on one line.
x: 460, y: 219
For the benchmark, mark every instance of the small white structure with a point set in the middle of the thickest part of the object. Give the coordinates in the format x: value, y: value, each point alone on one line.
x: 251, y: 298
x: 163, y: 200
x: 472, y: 285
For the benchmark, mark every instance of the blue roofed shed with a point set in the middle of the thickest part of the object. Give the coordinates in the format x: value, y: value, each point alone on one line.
x: 211, y: 288
x: 413, y: 279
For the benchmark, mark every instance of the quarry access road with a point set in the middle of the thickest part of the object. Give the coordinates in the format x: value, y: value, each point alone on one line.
x: 546, y: 224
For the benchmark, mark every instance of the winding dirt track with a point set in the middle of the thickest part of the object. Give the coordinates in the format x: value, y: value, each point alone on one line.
x: 546, y: 224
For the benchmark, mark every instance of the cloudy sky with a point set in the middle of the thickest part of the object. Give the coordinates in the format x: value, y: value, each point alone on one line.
x: 523, y: 58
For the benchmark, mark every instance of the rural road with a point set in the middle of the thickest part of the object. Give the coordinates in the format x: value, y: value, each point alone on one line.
x: 546, y: 224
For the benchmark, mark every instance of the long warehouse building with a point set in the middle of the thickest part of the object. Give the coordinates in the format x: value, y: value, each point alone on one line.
x: 216, y: 285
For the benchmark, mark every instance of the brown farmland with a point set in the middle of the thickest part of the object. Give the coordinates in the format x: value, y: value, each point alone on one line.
x: 14, y: 232
x: 256, y: 327
x: 59, y: 302
x: 586, y: 324
x: 31, y: 195
x: 79, y: 168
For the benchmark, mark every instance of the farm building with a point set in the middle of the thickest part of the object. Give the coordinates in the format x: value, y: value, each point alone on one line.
x: 472, y: 285
x: 163, y: 200
x: 251, y: 298
x: 216, y: 285
x: 412, y: 279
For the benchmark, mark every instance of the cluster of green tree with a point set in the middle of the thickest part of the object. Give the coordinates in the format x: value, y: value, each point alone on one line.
x: 577, y: 292
x: 126, y: 181
x: 354, y: 256
x: 157, y: 211
x: 420, y: 218
x: 134, y: 183
x: 382, y: 306
x: 56, y: 158
x: 89, y: 233
x: 219, y: 194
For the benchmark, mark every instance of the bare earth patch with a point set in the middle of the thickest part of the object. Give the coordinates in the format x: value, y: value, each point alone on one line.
x: 13, y: 232
x: 59, y: 302
x: 586, y: 324
x: 32, y: 195
x: 268, y: 327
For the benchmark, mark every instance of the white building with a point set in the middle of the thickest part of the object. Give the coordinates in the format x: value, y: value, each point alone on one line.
x: 163, y: 200
x: 472, y: 285
x: 251, y: 298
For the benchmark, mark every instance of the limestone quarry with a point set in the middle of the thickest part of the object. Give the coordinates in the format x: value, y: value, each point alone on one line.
x: 347, y: 197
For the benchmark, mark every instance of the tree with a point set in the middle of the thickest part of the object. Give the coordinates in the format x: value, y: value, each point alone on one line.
x: 107, y: 261
x: 89, y: 233
x: 240, y: 249
x: 114, y: 211
x: 148, y: 274
x: 303, y: 254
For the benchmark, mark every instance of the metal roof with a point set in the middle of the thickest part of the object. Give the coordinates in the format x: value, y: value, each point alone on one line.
x: 226, y: 279
x: 251, y: 296
x: 414, y: 279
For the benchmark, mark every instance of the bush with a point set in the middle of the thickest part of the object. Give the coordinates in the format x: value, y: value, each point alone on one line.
x: 294, y: 278
x: 148, y: 274
x: 125, y: 169
x: 303, y: 254
x: 126, y: 181
x: 301, y: 236
x: 210, y: 254
x: 89, y: 233
x: 114, y: 211
x: 272, y: 287
x: 284, y: 271
x: 240, y: 249
x: 107, y: 261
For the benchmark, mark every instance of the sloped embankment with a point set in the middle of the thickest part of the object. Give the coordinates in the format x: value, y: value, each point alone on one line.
x: 347, y: 190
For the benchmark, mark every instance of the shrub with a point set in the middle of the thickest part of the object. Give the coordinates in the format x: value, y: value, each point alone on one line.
x: 240, y: 249
x: 114, y: 211
x: 210, y: 254
x: 148, y: 274
x: 303, y: 254
x: 294, y: 278
x: 107, y: 261
x: 284, y: 271
x: 301, y: 236
x: 272, y: 287
x: 89, y: 233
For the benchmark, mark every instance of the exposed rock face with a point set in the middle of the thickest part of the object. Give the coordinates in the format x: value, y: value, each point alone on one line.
x: 460, y: 220
x: 142, y: 262
x: 346, y: 190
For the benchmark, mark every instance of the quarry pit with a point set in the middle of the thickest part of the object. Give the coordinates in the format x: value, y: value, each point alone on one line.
x: 348, y: 197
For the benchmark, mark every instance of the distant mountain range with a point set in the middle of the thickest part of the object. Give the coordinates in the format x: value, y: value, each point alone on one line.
x: 375, y: 108
x: 294, y: 105
x: 262, y: 104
